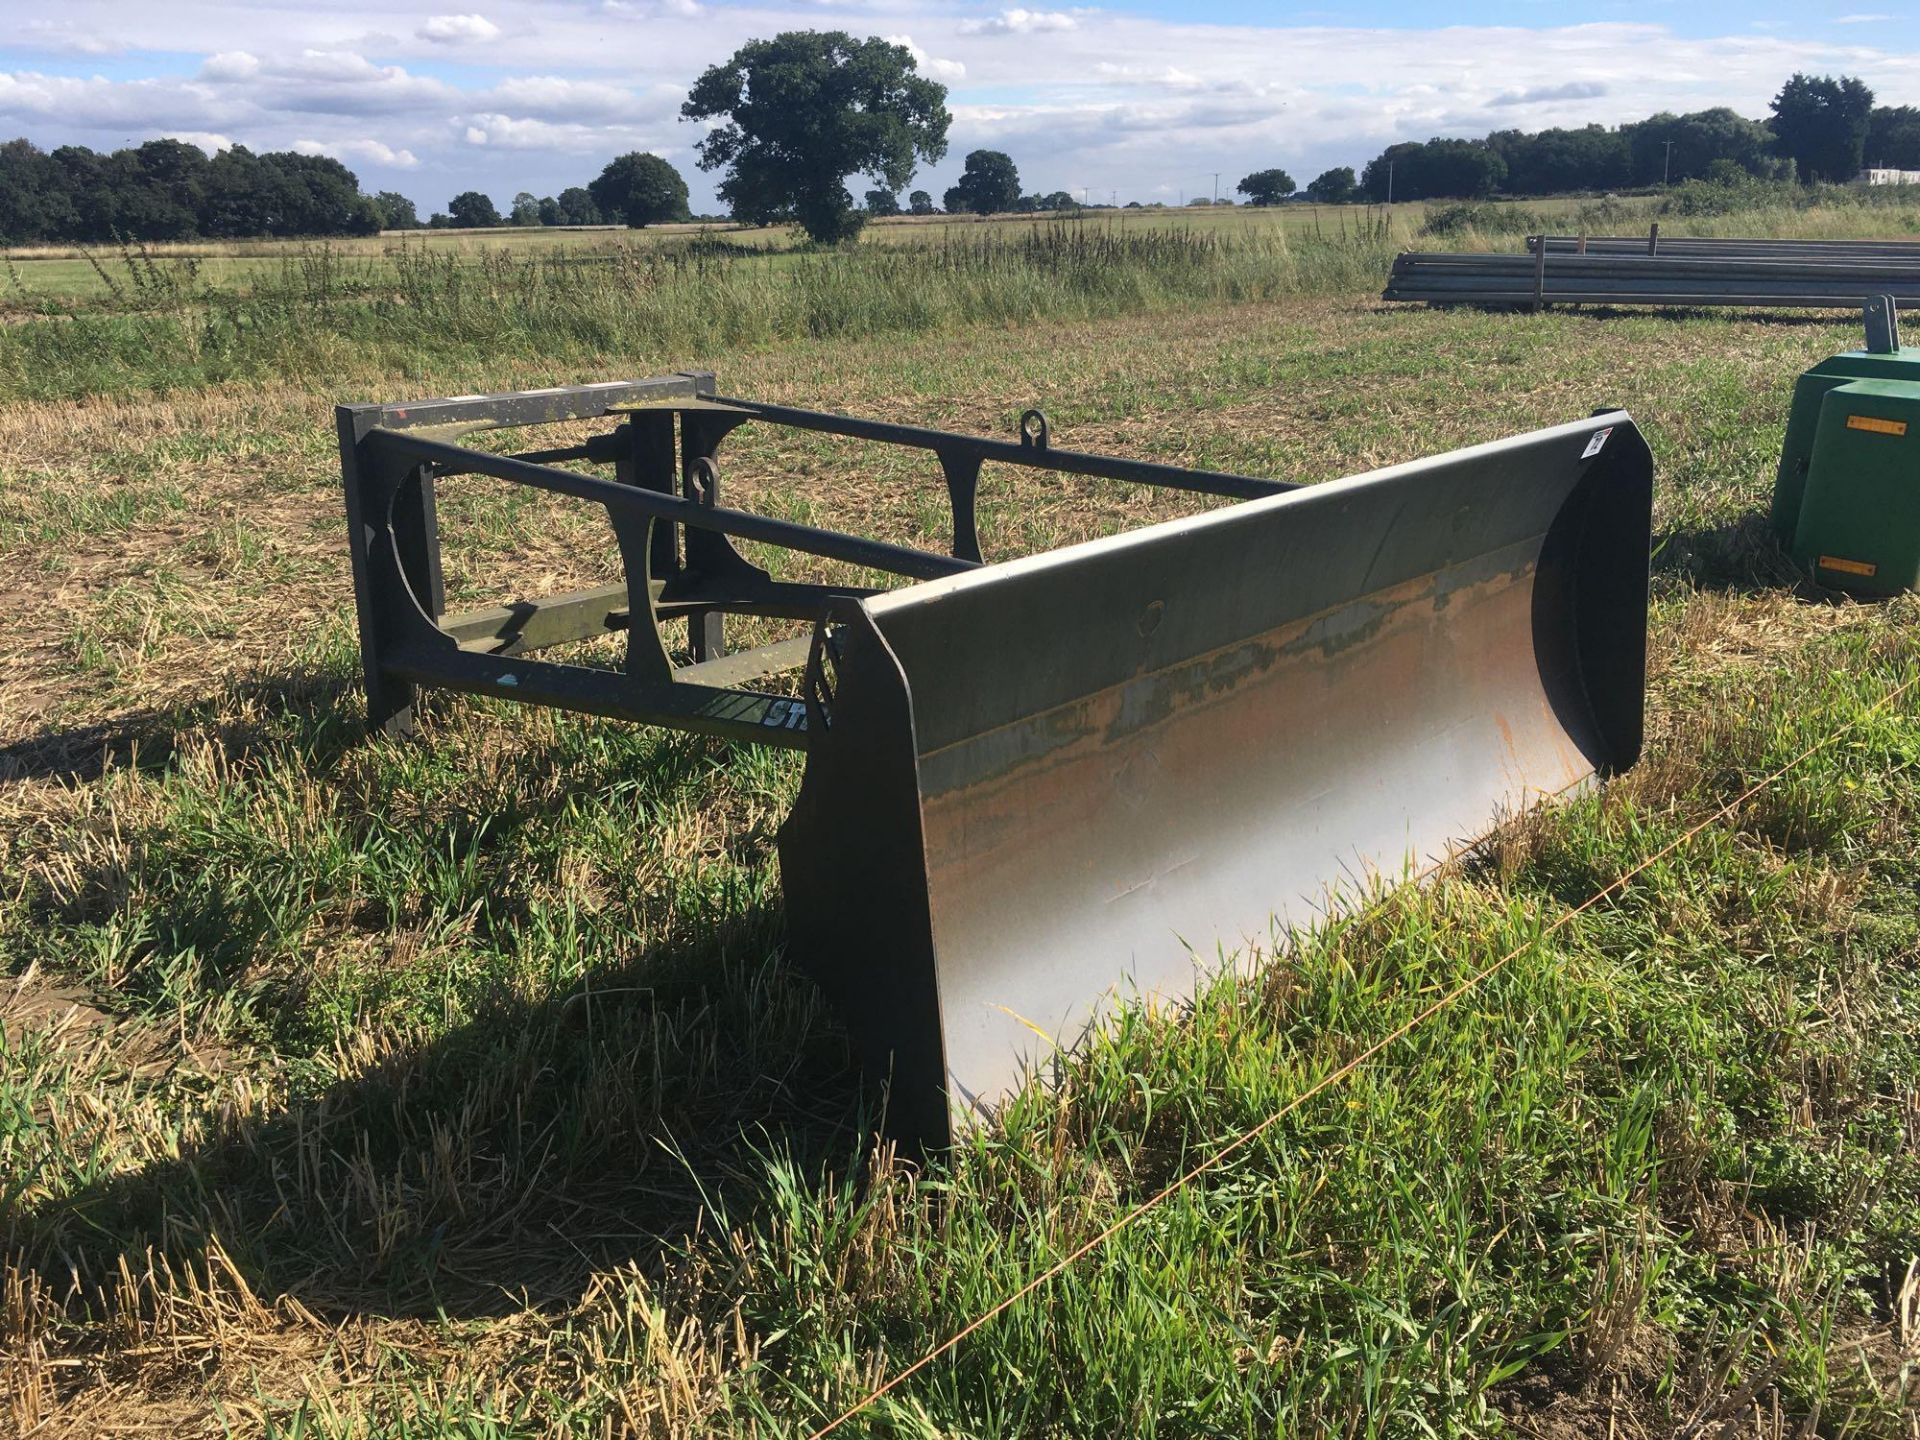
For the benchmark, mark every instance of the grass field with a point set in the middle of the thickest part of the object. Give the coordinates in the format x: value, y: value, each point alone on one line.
x: 456, y: 1087
x: 55, y: 274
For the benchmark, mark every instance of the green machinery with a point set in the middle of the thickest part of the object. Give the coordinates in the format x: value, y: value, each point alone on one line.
x: 1846, y: 502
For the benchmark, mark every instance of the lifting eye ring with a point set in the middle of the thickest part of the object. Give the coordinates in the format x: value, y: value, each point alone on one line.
x: 1034, y: 431
x: 701, y: 477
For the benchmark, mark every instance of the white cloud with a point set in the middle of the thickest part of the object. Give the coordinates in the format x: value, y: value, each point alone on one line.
x: 365, y: 152
x: 519, y: 132
x: 206, y: 140
x: 230, y: 65
x: 685, y: 9
x: 1863, y: 19
x: 458, y: 29
x: 60, y: 37
x: 947, y: 70
x: 1547, y: 94
x: 32, y: 102
x: 553, y: 97
x: 1020, y: 22
x: 341, y: 82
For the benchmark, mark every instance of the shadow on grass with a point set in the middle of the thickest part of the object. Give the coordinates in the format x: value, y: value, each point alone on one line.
x: 1740, y: 556
x: 498, y: 1163
x: 315, y: 702
x: 1780, y: 318
x: 1607, y: 314
x: 503, y: 1163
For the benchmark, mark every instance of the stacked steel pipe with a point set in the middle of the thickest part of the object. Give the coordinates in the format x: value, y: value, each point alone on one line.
x: 1617, y: 270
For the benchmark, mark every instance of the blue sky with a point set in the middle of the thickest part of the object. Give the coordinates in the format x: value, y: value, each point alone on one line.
x: 1139, y: 99
x: 1710, y: 17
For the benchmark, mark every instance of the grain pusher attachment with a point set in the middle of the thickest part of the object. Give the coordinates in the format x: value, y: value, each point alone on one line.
x: 1035, y: 787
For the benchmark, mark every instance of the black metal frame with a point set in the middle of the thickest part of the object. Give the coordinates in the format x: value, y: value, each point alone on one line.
x: 675, y: 541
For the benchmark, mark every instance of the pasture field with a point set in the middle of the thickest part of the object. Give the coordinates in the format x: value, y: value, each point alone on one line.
x: 54, y: 279
x: 42, y: 274
x: 457, y: 1088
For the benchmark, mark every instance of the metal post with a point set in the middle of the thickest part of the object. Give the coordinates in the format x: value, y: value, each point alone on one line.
x: 389, y: 500
x: 1883, y: 325
x: 708, y: 553
x: 647, y: 461
x: 649, y: 548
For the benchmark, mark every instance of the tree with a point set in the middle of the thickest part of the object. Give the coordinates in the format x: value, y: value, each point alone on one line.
x: 1893, y: 137
x: 1471, y: 169
x: 1821, y: 124
x: 317, y: 195
x: 1670, y: 148
x: 1059, y: 200
x: 989, y: 184
x: 1461, y: 167
x: 526, y: 209
x: 161, y: 187
x: 1554, y: 161
x: 920, y: 203
x: 396, y: 211
x: 576, y: 206
x: 640, y: 190
x: 882, y: 202
x: 470, y: 210
x: 84, y: 178
x: 1383, y: 177
x: 801, y: 112
x: 33, y: 197
x: 1332, y: 187
x: 1266, y: 187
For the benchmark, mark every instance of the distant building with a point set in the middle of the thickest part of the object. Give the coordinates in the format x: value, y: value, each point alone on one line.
x: 1887, y: 177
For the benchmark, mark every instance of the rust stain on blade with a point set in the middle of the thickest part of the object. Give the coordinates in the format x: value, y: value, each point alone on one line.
x: 1279, y: 766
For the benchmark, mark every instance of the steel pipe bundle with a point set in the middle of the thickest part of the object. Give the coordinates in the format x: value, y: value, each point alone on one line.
x: 1549, y: 277
x: 1696, y: 247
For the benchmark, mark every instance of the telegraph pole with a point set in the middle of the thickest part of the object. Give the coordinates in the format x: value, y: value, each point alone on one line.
x: 1666, y: 168
x: 1389, y: 184
x: 1216, y: 187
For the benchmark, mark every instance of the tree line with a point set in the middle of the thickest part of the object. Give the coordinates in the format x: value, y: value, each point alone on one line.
x: 170, y: 190
x: 792, y: 118
x: 1821, y: 129
x: 635, y: 189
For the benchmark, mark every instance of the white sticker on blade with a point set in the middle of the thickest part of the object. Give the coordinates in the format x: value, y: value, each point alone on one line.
x: 1596, y: 444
